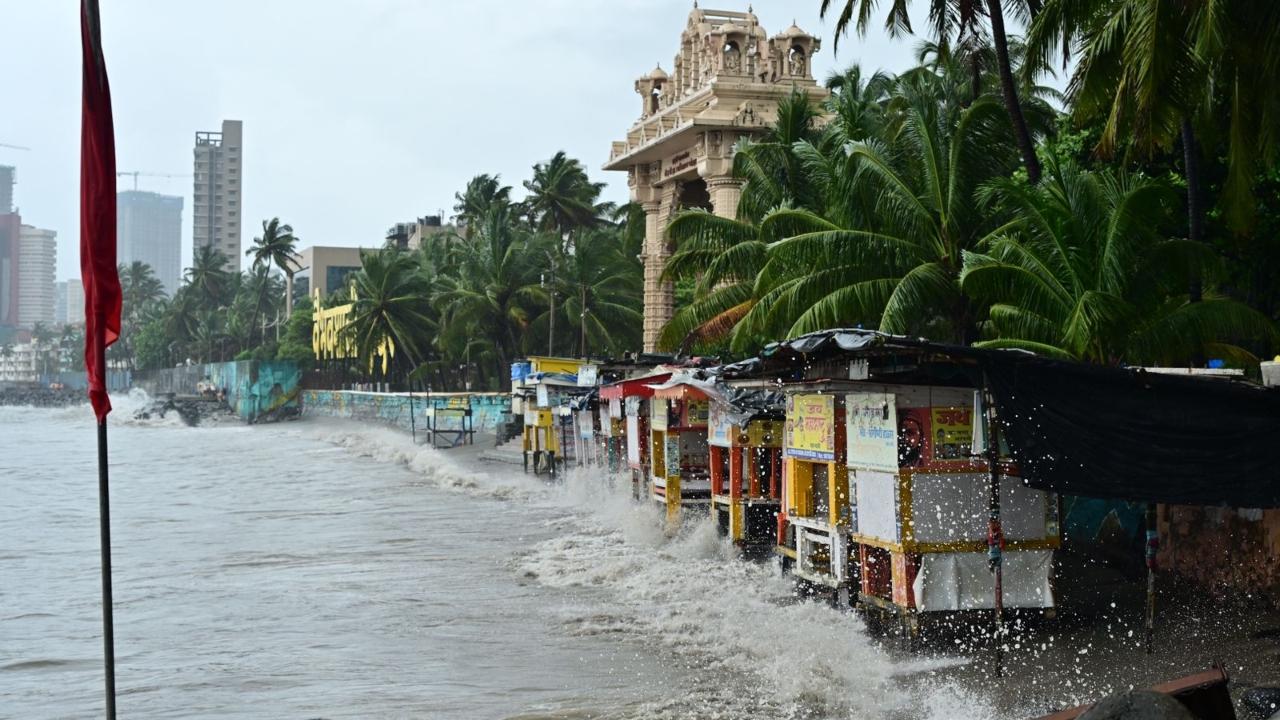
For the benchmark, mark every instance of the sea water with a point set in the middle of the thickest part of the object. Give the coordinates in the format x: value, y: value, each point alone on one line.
x: 329, y: 569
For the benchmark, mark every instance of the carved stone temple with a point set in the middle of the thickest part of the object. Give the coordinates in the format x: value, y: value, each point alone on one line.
x: 724, y: 86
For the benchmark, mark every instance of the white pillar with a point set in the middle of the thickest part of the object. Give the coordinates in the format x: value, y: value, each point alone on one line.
x: 725, y: 192
x: 658, y: 299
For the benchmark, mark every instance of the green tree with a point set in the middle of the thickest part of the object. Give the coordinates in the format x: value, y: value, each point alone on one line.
x: 561, y: 197
x: 483, y: 193
x: 277, y: 247
x: 896, y: 267
x: 391, y: 305
x: 211, y: 276
x: 1084, y: 272
x: 1163, y: 72
x: 953, y: 22
x: 600, y: 288
x: 490, y: 288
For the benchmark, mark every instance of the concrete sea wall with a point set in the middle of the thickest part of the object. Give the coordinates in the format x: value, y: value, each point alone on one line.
x: 257, y: 391
x: 488, y: 410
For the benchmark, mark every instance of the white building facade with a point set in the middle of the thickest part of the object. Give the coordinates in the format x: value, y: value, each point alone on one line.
x: 217, y: 201
x: 37, y: 265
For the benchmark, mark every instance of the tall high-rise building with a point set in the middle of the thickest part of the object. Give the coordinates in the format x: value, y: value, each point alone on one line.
x: 37, y: 264
x: 8, y: 174
x: 149, y: 229
x: 217, y: 202
x: 70, y: 307
x: 10, y: 229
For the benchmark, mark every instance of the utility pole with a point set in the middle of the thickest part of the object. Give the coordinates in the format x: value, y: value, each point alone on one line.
x: 582, y: 352
x: 551, y: 332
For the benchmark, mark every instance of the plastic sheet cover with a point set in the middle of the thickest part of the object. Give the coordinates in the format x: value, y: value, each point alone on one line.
x: 961, y: 581
x: 1115, y: 433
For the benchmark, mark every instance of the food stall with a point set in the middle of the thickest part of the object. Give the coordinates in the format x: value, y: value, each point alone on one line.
x: 816, y: 518
x: 679, y: 474
x: 630, y: 398
x: 893, y: 491
x: 541, y: 388
x: 744, y: 435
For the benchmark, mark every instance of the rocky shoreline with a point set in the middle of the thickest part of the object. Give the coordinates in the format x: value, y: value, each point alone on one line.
x: 42, y: 397
x: 193, y: 410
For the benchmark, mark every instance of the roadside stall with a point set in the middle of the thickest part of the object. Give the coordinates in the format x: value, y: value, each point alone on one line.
x: 631, y: 398
x: 744, y: 435
x: 816, y: 517
x: 541, y: 389
x: 922, y: 513
x: 679, y: 473
x: 613, y: 440
x: 586, y: 429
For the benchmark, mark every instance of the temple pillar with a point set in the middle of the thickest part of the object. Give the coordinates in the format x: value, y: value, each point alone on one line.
x: 725, y: 191
x: 658, y: 300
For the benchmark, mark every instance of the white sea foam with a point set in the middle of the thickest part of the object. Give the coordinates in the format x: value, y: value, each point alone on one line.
x: 732, y: 622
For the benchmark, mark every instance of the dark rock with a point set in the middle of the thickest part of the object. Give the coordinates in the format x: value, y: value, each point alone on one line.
x: 1138, y: 705
x: 36, y: 396
x: 1260, y: 703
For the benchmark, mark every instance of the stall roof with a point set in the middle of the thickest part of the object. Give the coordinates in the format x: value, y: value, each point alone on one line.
x: 1088, y: 430
x: 682, y: 384
x: 633, y: 387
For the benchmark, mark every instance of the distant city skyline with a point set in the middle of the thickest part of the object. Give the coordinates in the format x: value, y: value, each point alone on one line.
x: 149, y: 230
x: 349, y: 128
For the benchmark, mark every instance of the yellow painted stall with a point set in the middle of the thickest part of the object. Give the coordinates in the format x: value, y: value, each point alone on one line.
x: 744, y: 436
x: 679, y: 473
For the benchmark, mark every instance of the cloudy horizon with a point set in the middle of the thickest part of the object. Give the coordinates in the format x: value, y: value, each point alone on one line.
x: 354, y: 119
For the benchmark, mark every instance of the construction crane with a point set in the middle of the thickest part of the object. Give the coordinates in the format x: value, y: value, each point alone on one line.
x: 137, y: 173
x: 13, y: 147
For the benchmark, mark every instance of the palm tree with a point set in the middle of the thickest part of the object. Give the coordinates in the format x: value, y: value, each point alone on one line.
x: 41, y: 336
x: 1162, y: 72
x: 897, y: 266
x: 277, y: 246
x: 210, y: 275
x: 1083, y: 272
x: 722, y: 257
x: 139, y: 287
x: 601, y: 290
x: 952, y: 22
x: 491, y: 286
x: 391, y: 306
x: 561, y: 196
x: 483, y: 193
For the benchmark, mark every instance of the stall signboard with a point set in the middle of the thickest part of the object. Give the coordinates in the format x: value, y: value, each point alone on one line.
x: 952, y: 429
x: 615, y: 407
x: 671, y: 454
x: 633, y: 440
x: 588, y: 375
x: 696, y: 412
x: 658, y: 414
x: 719, y: 426
x: 811, y: 427
x: 872, y: 431
x: 543, y: 399
x: 586, y: 425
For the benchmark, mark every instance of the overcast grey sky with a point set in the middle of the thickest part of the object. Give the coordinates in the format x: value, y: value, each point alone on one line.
x: 357, y: 114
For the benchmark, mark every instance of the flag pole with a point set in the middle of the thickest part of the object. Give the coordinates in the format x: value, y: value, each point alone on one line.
x: 101, y: 286
x: 104, y: 525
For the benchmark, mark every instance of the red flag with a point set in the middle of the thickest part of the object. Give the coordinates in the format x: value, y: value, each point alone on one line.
x: 97, y: 211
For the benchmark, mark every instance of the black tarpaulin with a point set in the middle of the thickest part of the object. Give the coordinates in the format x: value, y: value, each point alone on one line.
x: 1088, y: 430
x: 1121, y: 433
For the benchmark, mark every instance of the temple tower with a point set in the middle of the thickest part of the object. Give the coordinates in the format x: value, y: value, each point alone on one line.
x: 725, y: 83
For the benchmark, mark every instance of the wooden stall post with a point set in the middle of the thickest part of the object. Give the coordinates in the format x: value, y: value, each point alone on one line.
x: 995, y: 534
x: 1153, y: 547
x: 735, y: 489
